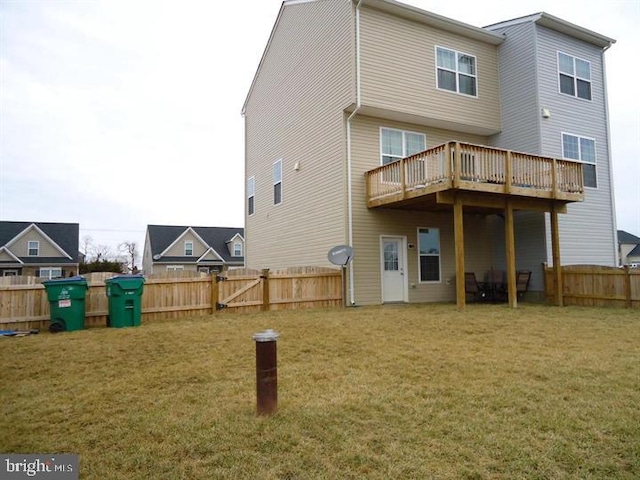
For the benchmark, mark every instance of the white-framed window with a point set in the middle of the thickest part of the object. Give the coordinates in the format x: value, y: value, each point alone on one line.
x: 203, y: 269
x: 574, y: 76
x: 429, y: 254
x: 582, y: 149
x: 277, y: 182
x: 188, y: 249
x: 237, y: 249
x: 33, y: 248
x: 174, y: 268
x: 50, y: 272
x: 396, y: 144
x: 456, y: 71
x: 251, y: 195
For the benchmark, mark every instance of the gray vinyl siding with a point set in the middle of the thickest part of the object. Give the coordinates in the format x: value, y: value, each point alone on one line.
x: 529, y: 82
x: 295, y: 113
x: 587, y: 230
x: 529, y: 233
x: 518, y: 90
x: 370, y: 224
x: 398, y: 68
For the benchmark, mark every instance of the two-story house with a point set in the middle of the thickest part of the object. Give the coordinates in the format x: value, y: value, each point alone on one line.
x: 182, y: 248
x: 628, y: 248
x: 430, y: 146
x: 39, y: 249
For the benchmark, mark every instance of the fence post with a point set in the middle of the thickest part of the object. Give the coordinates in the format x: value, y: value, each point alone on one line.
x: 265, y: 289
x: 627, y: 286
x: 215, y: 291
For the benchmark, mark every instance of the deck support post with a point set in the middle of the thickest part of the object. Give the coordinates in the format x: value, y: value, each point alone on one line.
x: 458, y: 232
x: 511, y: 255
x: 555, y: 252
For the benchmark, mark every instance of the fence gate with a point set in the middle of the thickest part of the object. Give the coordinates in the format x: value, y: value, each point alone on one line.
x: 236, y: 291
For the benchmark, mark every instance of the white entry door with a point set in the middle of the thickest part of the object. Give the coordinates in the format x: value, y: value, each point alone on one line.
x: 392, y: 263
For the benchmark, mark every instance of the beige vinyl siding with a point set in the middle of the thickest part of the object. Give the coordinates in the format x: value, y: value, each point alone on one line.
x: 398, y: 67
x: 177, y: 250
x: 369, y: 224
x: 46, y: 249
x: 295, y: 113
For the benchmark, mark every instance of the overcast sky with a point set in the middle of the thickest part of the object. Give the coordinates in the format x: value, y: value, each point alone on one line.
x: 118, y: 114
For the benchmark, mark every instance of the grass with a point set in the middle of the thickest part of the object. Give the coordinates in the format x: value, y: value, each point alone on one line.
x: 416, y: 391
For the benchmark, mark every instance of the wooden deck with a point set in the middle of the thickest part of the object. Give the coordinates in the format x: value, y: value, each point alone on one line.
x: 483, y: 176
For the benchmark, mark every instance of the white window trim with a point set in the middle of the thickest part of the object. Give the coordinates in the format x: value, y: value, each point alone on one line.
x: 575, y: 76
x: 237, y: 244
x: 37, y: 242
x: 457, y: 72
x: 432, y: 282
x: 280, y: 182
x: 251, y: 193
x: 173, y: 268
x: 50, y: 271
x: 404, y: 151
x: 595, y: 150
x: 185, y: 248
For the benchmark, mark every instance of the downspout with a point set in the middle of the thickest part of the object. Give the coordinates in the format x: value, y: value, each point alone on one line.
x: 616, y: 258
x: 352, y: 300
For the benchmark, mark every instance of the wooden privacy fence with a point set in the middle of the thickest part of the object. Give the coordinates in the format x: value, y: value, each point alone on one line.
x: 596, y: 286
x: 26, y: 306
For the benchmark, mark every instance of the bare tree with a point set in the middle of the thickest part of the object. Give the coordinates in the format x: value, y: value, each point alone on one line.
x: 86, y: 245
x: 130, y: 249
x: 101, y: 252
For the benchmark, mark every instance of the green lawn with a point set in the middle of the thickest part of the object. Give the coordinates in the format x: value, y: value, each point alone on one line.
x: 419, y: 391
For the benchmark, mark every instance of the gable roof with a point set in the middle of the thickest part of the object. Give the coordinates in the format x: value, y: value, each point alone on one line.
x: 65, y: 236
x: 626, y: 237
x: 215, y: 238
x: 554, y: 23
x: 395, y: 8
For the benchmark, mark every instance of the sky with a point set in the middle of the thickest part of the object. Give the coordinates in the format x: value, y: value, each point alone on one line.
x: 119, y: 114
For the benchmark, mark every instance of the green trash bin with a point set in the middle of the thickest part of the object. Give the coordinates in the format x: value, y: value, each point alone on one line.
x: 125, y: 300
x: 66, y: 302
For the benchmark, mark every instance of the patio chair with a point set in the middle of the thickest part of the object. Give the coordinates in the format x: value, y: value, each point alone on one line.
x: 472, y: 287
x: 522, y: 282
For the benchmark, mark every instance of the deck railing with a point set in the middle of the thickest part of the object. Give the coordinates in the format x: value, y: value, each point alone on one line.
x: 457, y: 165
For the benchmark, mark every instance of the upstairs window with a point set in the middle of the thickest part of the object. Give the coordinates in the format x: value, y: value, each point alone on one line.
x: 277, y: 182
x: 188, y: 249
x: 237, y: 249
x: 574, y: 76
x: 397, y: 144
x: 33, y: 248
x: 456, y: 71
x: 584, y: 150
x: 251, y: 195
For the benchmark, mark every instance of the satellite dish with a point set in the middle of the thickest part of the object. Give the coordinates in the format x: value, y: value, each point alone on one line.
x: 340, y: 255
x: 157, y: 257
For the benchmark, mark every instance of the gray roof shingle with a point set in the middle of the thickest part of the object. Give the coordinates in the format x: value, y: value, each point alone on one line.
x: 66, y: 236
x: 161, y: 236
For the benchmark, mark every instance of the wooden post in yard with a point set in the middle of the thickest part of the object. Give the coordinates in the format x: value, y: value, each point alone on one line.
x: 555, y: 249
x: 458, y: 232
x: 511, y: 256
x: 265, y: 289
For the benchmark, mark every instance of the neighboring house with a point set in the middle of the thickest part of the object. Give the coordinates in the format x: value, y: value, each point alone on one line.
x: 367, y: 124
x: 46, y: 250
x: 628, y: 248
x: 202, y: 249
